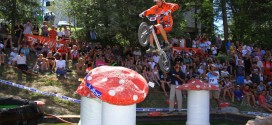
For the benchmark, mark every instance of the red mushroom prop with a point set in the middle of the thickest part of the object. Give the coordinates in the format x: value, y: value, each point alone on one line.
x: 119, y: 88
x: 198, y: 101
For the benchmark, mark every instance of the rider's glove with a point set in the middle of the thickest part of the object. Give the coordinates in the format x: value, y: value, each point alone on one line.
x: 141, y: 15
x: 167, y: 13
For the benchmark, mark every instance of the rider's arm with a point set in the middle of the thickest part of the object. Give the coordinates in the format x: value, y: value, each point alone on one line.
x: 172, y: 6
x: 150, y: 11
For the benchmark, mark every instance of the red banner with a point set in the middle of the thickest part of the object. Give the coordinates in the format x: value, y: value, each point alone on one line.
x: 34, y: 39
x: 178, y: 49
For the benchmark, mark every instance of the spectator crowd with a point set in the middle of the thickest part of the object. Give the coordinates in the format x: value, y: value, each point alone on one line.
x: 244, y: 70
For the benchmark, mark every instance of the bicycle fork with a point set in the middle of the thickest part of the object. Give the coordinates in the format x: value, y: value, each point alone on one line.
x: 157, y: 42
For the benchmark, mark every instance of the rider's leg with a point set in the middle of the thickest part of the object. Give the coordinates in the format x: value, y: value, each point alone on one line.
x: 151, y: 41
x: 162, y: 31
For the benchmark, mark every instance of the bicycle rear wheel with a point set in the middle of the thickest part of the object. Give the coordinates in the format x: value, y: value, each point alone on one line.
x: 164, y: 62
x: 143, y: 34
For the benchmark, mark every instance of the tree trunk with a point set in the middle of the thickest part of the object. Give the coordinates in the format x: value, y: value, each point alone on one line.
x: 13, y: 21
x: 196, y: 27
x: 225, y: 20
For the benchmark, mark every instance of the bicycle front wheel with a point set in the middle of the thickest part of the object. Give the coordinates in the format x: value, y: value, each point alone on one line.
x: 164, y: 62
x: 143, y: 34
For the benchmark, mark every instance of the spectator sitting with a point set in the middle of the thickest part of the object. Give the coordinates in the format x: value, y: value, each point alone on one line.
x: 261, y: 87
x: 224, y: 73
x: 137, y: 52
x: 13, y: 55
x: 38, y: 47
x: 164, y: 79
x: 248, y: 81
x: 249, y: 95
x: 263, y: 103
x: 2, y: 54
x: 60, y: 66
x: 228, y: 89
x: 38, y: 63
x: 237, y: 93
x: 51, y: 61
x: 63, y: 51
x: 81, y: 67
x: 45, y: 49
x: 74, y: 53
x: 44, y: 65
x: 21, y: 62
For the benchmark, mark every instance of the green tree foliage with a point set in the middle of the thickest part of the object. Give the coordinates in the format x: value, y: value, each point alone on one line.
x: 13, y: 11
x: 251, y: 21
x: 118, y: 20
x: 20, y: 10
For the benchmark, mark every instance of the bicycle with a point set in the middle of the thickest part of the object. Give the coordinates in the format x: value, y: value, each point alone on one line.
x: 143, y: 37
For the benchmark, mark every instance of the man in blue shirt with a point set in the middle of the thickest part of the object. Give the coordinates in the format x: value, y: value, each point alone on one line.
x: 213, y: 77
x: 228, y: 45
x: 177, y: 78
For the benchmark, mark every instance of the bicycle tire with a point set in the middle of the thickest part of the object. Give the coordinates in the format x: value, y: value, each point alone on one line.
x: 164, y: 62
x: 143, y: 38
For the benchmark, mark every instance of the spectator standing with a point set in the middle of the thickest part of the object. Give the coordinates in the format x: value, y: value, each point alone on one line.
x: 60, y: 33
x: 53, y: 33
x: 213, y: 76
x: 240, y: 73
x: 177, y: 78
x: 36, y: 30
x: 19, y: 28
x: 27, y: 28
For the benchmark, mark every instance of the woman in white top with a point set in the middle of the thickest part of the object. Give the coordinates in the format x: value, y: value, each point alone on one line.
x: 60, y: 33
x: 156, y: 76
x: 248, y: 81
x: 60, y: 67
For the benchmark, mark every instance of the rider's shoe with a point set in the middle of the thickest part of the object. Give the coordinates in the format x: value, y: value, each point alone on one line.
x: 167, y: 45
x: 151, y: 49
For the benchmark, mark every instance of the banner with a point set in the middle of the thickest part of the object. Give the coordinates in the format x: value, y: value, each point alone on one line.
x: 34, y: 39
x: 178, y: 49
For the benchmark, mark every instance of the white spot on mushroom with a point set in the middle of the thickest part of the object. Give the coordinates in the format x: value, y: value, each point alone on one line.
x: 193, y: 82
x: 121, y: 81
x: 198, y: 86
x: 89, y: 78
x: 144, y: 95
x: 135, y: 97
x: 131, y: 75
x: 112, y: 93
x: 104, y: 79
x: 186, y: 85
x: 210, y: 86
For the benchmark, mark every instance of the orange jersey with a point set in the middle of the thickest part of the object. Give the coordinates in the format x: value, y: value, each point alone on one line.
x: 156, y: 10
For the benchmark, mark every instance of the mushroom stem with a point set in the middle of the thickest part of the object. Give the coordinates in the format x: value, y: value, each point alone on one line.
x: 90, y: 111
x: 198, y: 112
x: 118, y: 115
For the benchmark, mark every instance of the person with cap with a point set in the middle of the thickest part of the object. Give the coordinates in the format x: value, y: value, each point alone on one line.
x: 165, y: 23
x: 177, y: 78
x: 213, y: 77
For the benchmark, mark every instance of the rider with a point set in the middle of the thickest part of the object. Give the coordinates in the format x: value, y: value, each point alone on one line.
x: 165, y: 23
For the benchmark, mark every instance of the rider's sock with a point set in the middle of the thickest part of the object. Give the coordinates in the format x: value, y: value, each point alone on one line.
x: 152, y: 45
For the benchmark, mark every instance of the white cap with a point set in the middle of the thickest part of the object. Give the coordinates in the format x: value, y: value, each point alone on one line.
x: 213, y: 65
